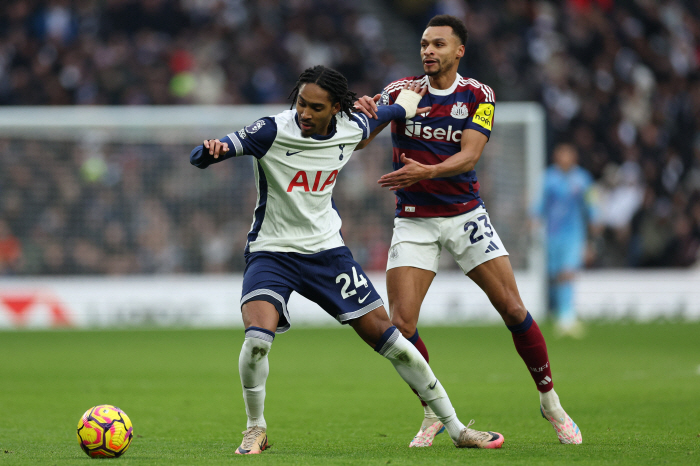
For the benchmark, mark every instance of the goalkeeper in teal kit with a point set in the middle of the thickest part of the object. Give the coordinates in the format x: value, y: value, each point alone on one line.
x: 566, y: 207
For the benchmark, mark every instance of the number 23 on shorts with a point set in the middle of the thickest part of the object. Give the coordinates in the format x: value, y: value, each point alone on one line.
x: 475, y: 227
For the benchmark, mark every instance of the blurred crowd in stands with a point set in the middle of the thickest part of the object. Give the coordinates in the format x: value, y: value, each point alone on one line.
x: 155, y: 52
x: 123, y: 208
x: 620, y: 79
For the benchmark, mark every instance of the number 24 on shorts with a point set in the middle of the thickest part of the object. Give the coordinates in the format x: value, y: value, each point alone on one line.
x: 357, y: 280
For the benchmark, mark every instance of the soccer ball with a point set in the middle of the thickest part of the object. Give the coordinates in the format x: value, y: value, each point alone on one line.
x: 105, y: 431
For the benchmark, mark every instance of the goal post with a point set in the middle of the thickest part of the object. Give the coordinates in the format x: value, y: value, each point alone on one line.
x: 516, y: 156
x: 109, y: 192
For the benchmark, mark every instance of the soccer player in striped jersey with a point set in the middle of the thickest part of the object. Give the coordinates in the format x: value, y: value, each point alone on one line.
x: 295, y: 243
x: 438, y: 207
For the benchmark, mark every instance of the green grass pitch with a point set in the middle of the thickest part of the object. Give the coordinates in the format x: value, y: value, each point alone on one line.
x: 633, y: 389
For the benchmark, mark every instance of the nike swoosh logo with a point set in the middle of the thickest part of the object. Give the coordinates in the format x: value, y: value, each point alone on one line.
x: 362, y: 300
x: 433, y: 385
x: 292, y: 153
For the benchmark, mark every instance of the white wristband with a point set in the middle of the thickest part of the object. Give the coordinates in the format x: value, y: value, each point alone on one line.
x: 409, y: 101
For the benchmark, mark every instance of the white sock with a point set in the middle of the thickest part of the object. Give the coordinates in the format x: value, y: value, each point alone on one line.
x: 413, y: 369
x: 429, y: 419
x: 253, y: 368
x: 550, y: 403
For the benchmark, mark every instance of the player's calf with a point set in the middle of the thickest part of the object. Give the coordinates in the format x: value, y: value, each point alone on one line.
x: 254, y: 368
x: 412, y: 367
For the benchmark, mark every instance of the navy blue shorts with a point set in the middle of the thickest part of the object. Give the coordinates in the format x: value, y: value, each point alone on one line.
x: 332, y: 279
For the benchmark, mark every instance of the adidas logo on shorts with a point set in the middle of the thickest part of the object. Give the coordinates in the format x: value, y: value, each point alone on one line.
x: 492, y: 247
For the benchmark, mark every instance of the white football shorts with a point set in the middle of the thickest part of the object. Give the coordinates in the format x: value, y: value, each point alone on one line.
x: 470, y: 238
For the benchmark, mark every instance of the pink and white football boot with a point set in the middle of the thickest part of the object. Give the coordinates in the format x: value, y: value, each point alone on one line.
x: 427, y: 433
x: 566, y: 428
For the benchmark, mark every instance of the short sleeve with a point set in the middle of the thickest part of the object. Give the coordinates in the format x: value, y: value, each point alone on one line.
x: 255, y: 139
x: 363, y: 122
x: 385, y: 113
x: 481, y: 118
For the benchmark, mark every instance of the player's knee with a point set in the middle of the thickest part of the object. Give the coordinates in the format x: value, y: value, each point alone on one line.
x: 405, y: 318
x: 513, y: 311
x: 260, y: 314
x: 407, y: 328
x: 371, y: 326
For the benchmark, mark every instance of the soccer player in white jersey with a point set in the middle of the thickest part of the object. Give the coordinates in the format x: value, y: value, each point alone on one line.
x: 295, y: 244
x: 439, y: 207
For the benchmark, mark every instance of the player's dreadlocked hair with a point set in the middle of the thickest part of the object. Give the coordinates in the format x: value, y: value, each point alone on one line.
x: 330, y: 80
x: 457, y: 25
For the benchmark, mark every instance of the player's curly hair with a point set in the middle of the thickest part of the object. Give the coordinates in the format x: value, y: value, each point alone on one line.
x: 331, y: 81
x: 457, y: 25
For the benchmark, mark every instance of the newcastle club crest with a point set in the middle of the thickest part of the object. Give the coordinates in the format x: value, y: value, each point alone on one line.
x: 459, y: 111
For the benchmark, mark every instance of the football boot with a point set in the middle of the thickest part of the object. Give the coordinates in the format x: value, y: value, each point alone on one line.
x: 566, y: 428
x: 254, y: 441
x: 470, y: 438
x: 427, y: 433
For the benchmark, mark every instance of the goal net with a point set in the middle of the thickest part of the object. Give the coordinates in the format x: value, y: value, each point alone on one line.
x: 110, y: 191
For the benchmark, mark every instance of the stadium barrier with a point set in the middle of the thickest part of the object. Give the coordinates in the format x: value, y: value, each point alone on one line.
x: 102, y: 160
x: 213, y: 300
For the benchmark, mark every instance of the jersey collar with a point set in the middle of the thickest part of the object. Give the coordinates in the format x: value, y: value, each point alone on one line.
x: 447, y: 91
x: 317, y: 137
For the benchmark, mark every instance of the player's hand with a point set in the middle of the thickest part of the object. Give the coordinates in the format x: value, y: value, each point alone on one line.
x: 216, y: 147
x: 415, y: 86
x: 411, y: 173
x: 410, y: 96
x: 368, y: 105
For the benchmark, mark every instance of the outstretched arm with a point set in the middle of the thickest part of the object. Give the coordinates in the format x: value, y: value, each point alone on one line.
x: 255, y: 140
x: 211, y: 151
x: 372, y: 135
x: 409, y: 98
x: 465, y: 160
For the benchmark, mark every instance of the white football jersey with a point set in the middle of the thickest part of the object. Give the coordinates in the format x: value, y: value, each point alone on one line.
x: 295, y: 177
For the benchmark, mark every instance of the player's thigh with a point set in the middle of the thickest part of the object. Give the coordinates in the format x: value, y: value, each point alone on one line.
x: 260, y: 314
x: 415, y: 243
x: 555, y: 263
x: 269, y: 278
x: 337, y: 283
x: 411, y: 266
x: 495, y: 277
x: 471, y: 239
x: 406, y: 288
x: 564, y: 257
